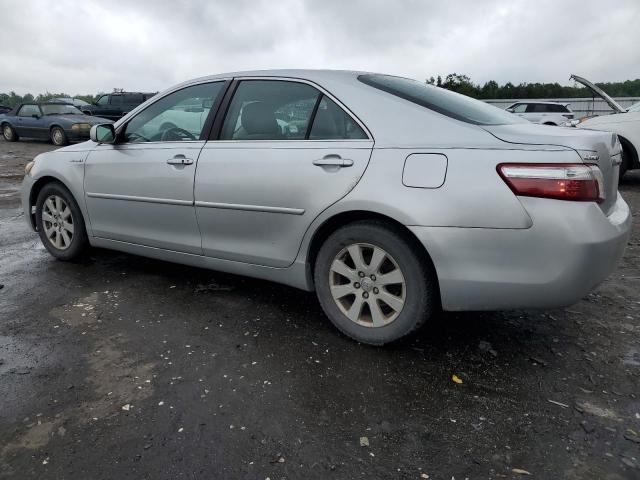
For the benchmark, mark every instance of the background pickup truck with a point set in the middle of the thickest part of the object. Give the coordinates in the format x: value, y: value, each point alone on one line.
x: 115, y: 105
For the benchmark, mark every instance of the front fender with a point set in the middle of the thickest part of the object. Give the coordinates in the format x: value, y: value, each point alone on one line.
x: 66, y: 167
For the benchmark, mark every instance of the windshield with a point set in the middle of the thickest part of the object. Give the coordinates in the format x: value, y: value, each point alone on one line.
x: 59, y: 110
x: 442, y: 101
x: 634, y: 108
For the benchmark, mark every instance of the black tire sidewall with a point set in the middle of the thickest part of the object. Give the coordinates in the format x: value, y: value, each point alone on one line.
x: 421, y: 289
x: 80, y: 241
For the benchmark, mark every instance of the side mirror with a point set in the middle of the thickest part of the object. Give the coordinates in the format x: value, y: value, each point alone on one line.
x: 103, y: 133
x: 510, y: 110
x: 35, y: 115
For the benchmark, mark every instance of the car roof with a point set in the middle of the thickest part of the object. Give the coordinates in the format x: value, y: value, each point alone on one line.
x: 544, y: 102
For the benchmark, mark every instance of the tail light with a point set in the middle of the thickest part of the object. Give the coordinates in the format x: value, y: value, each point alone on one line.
x: 562, y: 181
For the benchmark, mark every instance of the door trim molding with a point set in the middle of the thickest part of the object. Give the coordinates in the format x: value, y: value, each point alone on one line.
x: 133, y: 198
x: 250, y: 208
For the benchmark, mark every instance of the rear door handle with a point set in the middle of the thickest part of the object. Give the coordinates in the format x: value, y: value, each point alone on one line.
x: 333, y: 161
x: 180, y: 160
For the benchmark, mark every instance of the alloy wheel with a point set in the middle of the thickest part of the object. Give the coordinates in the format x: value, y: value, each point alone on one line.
x: 58, y: 136
x: 7, y: 132
x: 57, y: 222
x: 367, y: 285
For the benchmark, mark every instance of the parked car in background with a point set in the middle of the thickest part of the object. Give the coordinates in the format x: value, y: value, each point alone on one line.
x: 115, y: 105
x: 625, y: 122
x: 5, y: 109
x: 76, y: 102
x: 58, y: 122
x: 388, y: 197
x: 547, y: 113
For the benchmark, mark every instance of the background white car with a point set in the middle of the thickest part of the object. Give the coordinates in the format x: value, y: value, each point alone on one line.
x: 547, y: 113
x: 623, y: 122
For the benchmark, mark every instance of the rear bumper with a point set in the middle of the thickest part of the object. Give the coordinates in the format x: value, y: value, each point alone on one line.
x: 570, y: 249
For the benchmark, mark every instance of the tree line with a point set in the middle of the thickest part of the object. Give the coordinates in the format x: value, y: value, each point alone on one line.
x: 12, y: 99
x: 491, y: 89
x: 454, y: 81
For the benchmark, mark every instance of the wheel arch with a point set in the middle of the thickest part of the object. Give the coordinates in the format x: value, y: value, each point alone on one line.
x: 341, y: 219
x: 37, y: 186
x: 630, y: 147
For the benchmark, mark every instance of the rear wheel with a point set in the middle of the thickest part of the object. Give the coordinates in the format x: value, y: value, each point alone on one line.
x: 60, y: 223
x: 9, y: 133
x: 373, y: 284
x: 58, y: 137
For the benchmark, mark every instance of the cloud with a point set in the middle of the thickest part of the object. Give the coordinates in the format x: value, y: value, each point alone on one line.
x: 87, y: 47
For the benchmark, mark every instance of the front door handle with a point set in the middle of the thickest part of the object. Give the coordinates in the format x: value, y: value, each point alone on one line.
x: 180, y: 160
x: 333, y: 161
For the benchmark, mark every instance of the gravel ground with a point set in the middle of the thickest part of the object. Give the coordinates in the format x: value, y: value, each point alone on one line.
x: 129, y: 368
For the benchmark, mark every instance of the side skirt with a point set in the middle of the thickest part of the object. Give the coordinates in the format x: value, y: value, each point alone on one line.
x: 293, y: 276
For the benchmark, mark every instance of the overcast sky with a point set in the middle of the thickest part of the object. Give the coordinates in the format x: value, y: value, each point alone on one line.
x: 88, y: 47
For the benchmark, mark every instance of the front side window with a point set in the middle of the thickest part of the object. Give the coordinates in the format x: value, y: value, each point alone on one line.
x: 520, y: 108
x: 103, y: 100
x: 443, y: 101
x: 57, y: 109
x: 269, y: 110
x: 116, y: 100
x: 29, y: 111
x: 180, y: 116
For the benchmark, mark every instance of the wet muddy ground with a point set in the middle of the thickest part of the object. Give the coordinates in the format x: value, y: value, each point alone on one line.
x: 123, y: 367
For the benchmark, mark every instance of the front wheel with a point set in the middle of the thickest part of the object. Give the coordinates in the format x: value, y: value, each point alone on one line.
x: 9, y: 133
x: 373, y: 283
x: 58, y: 137
x: 60, y: 223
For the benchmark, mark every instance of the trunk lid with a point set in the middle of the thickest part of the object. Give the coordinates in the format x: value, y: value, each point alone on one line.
x: 594, y: 147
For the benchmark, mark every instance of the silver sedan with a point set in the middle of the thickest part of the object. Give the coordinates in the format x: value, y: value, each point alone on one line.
x: 390, y: 198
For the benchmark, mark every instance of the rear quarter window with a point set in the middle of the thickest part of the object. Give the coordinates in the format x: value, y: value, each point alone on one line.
x: 439, y: 100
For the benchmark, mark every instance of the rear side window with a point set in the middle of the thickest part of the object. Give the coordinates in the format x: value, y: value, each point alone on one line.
x: 536, y: 108
x: 332, y: 123
x: 269, y: 110
x: 286, y: 110
x: 116, y: 100
x: 133, y: 98
x: 440, y: 100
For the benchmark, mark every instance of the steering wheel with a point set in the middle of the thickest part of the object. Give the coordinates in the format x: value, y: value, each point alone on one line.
x: 176, y: 133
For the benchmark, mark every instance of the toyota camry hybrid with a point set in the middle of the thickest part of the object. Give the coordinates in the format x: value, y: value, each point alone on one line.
x: 389, y: 198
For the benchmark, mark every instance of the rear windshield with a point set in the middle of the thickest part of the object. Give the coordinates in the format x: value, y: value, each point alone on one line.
x: 442, y: 101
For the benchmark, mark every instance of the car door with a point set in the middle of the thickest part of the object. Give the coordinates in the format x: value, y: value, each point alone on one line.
x: 28, y: 121
x: 534, y: 112
x: 140, y: 189
x: 285, y: 152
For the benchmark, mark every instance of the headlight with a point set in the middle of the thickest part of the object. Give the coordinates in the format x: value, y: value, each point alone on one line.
x: 28, y: 167
x: 77, y: 127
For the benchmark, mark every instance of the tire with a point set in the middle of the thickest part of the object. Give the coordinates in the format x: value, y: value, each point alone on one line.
x: 9, y: 133
x: 58, y: 137
x: 626, y: 161
x: 52, y: 204
x: 550, y: 124
x: 394, y: 320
